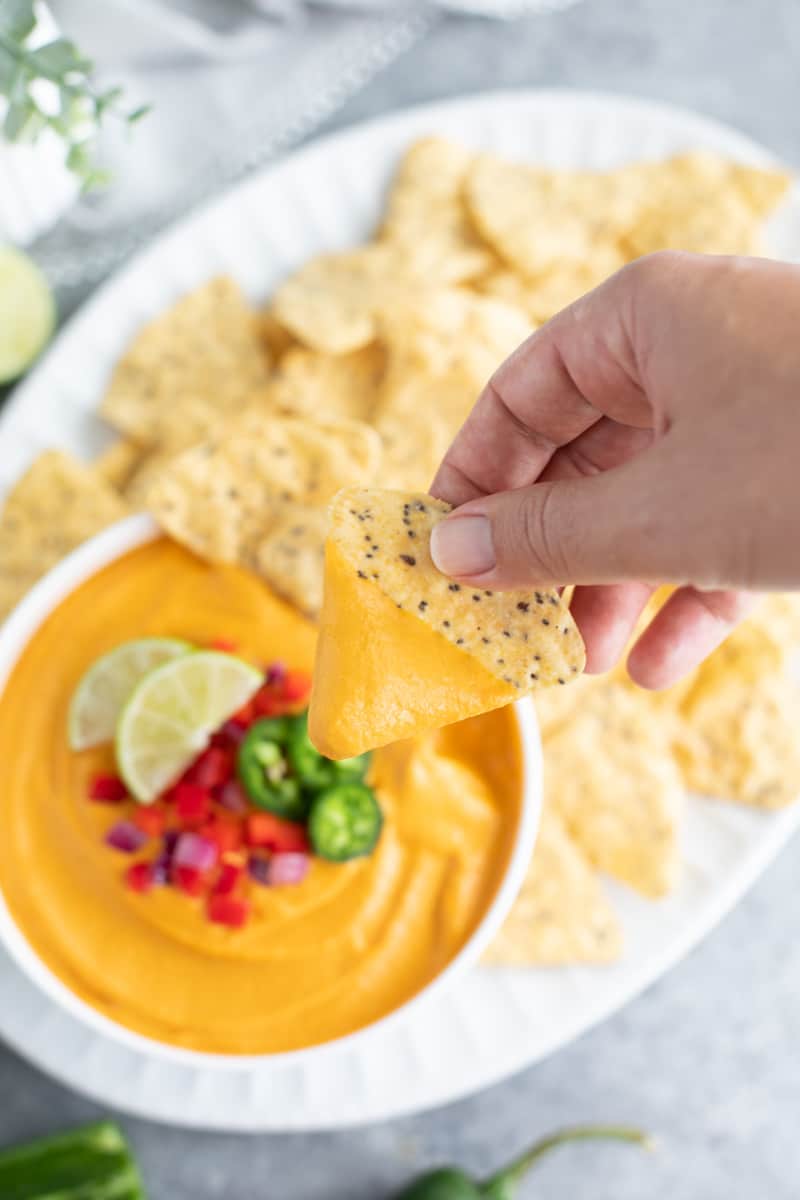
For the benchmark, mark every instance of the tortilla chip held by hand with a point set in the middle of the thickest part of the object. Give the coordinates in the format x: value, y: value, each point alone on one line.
x: 404, y: 649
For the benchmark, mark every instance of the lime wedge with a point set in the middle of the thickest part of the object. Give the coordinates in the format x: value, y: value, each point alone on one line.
x: 27, y: 312
x: 172, y: 713
x: 108, y: 684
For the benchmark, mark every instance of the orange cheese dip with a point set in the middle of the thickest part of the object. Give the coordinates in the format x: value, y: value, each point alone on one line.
x: 316, y: 961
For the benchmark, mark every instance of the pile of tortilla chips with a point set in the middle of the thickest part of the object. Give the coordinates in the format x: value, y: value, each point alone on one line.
x: 236, y: 426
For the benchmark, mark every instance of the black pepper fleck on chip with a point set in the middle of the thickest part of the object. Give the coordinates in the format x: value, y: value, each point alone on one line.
x: 475, y: 596
x: 423, y: 604
x: 545, y: 621
x: 454, y: 587
x: 523, y: 606
x: 408, y: 558
x: 459, y: 641
x: 362, y: 575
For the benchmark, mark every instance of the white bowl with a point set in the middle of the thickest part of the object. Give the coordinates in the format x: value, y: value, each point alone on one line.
x: 15, y: 634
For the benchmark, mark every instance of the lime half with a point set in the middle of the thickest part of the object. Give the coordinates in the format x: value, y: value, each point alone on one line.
x: 172, y: 713
x: 107, y: 686
x: 27, y: 312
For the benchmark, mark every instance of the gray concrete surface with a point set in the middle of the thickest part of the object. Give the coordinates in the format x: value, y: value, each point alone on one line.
x: 708, y: 1058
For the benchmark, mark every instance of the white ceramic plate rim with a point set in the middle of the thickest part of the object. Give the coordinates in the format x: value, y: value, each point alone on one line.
x: 565, y: 125
x: 15, y: 634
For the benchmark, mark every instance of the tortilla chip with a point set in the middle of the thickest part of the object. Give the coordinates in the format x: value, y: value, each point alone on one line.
x: 545, y: 295
x: 556, y: 706
x: 116, y: 465
x: 276, y: 337
x: 538, y: 220
x: 221, y: 497
x: 190, y: 369
x: 413, y: 445
x: 437, y: 331
x: 740, y: 741
x: 291, y: 556
x: 57, y: 504
x: 402, y: 648
x: 561, y: 915
x: 610, y: 776
x: 329, y: 385
x: 417, y: 416
x: 426, y: 213
x: 777, y: 617
x: 704, y: 203
x: 143, y: 480
x: 331, y: 303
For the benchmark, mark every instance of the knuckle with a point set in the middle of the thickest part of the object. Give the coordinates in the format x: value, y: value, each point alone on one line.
x: 726, y: 607
x: 542, y: 545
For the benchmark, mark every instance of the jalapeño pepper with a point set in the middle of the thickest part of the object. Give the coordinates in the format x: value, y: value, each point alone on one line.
x: 312, y: 768
x: 263, y: 769
x: 308, y: 764
x: 345, y: 822
x: 451, y: 1183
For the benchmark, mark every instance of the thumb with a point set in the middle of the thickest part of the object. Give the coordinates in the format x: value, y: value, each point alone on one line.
x: 619, y: 525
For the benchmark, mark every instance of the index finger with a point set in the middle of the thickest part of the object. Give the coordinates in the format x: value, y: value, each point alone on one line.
x: 572, y: 372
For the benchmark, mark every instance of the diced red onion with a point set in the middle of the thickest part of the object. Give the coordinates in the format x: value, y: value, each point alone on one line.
x: 194, y: 850
x: 232, y: 733
x: 258, y: 869
x: 233, y: 797
x: 287, y: 868
x: 160, y: 871
x: 126, y: 836
x: 276, y: 672
x: 170, y: 841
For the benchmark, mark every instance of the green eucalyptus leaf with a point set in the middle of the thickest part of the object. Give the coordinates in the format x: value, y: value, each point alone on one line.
x: 8, y: 70
x: 16, y: 118
x: 107, y: 100
x: 36, y: 122
x: 95, y: 178
x: 17, y: 18
x: 138, y: 113
x: 79, y: 158
x: 60, y: 57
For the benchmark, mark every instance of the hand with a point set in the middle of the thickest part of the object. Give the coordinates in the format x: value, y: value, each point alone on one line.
x: 649, y: 433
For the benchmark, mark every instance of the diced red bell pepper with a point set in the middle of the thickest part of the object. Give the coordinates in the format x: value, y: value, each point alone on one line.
x: 228, y: 878
x: 224, y: 645
x: 189, y: 880
x: 245, y: 716
x: 151, y: 819
x: 274, y: 833
x: 225, y: 832
x: 266, y: 702
x: 140, y: 876
x: 296, y: 685
x: 108, y: 789
x: 214, y: 767
x: 228, y: 910
x: 192, y: 803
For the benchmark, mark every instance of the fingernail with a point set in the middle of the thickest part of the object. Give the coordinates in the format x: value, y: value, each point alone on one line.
x: 463, y: 545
